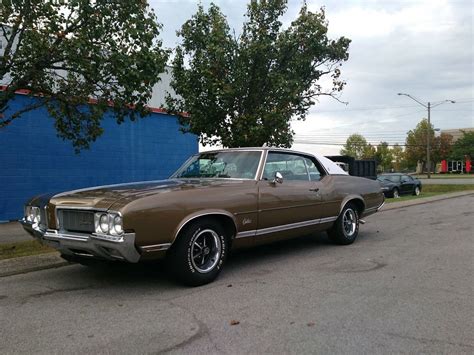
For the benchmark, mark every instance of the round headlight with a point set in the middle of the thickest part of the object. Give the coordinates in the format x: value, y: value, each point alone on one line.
x: 29, y: 214
x: 104, y: 223
x: 117, y: 225
x: 36, y: 214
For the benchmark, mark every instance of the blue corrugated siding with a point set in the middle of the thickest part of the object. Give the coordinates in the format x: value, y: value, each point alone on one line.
x: 33, y: 160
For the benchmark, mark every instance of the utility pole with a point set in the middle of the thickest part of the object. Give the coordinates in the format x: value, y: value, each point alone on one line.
x: 428, y: 155
x: 428, y: 106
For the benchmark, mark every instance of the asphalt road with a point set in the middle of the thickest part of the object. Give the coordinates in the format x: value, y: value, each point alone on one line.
x: 405, y: 286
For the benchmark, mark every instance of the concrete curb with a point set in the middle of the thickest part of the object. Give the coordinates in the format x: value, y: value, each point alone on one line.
x: 25, y: 264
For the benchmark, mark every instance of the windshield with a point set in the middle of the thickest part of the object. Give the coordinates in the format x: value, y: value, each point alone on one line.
x: 232, y: 165
x: 392, y: 178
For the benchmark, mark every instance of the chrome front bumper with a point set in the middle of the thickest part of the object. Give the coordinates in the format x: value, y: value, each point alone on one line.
x: 87, y: 245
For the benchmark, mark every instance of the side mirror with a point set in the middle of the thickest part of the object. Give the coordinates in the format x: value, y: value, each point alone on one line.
x: 278, y: 178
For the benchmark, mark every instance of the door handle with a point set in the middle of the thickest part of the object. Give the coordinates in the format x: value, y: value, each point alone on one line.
x: 316, y: 189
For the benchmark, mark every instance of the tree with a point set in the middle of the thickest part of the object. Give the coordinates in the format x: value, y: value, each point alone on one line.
x: 67, y: 53
x: 463, y: 147
x: 369, y: 152
x: 243, y: 91
x: 442, y: 147
x: 416, y: 141
x: 398, y: 157
x: 356, y: 146
x: 383, y: 156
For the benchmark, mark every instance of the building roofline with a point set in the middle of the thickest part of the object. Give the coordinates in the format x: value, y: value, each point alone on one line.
x: 92, y: 101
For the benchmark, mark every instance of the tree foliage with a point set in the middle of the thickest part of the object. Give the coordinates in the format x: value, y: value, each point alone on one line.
x: 443, y: 146
x: 398, y: 157
x: 384, y: 156
x: 463, y: 147
x: 369, y: 152
x: 416, y: 141
x: 66, y: 52
x: 356, y: 146
x: 243, y: 91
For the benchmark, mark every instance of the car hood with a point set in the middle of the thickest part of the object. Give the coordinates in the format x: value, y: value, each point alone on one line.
x: 103, y: 197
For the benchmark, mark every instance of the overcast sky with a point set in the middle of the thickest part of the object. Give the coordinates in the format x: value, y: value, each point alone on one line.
x: 423, y: 48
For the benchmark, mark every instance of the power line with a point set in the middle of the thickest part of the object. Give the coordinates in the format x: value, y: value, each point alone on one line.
x: 373, y: 145
x: 368, y: 108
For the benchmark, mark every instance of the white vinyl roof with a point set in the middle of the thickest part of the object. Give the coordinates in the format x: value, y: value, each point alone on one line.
x: 331, y: 167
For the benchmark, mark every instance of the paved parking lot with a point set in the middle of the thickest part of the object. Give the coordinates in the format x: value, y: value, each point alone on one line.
x: 405, y: 286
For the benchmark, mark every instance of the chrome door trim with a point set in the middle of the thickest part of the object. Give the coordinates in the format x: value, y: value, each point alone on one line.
x: 328, y: 219
x: 262, y: 167
x: 250, y: 233
x: 283, y: 227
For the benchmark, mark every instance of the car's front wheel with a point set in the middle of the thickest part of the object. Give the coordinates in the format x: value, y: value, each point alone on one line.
x: 199, y: 253
x: 346, y: 227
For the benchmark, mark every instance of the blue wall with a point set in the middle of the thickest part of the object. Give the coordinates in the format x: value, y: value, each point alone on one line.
x: 33, y: 160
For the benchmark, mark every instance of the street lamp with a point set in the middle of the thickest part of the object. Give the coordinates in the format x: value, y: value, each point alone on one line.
x: 428, y: 106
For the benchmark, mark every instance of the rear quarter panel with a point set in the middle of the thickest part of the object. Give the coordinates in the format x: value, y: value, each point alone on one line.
x: 352, y: 187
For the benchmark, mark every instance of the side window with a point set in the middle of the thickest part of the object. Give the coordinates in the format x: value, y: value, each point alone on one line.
x: 314, y: 173
x: 406, y: 178
x: 292, y: 167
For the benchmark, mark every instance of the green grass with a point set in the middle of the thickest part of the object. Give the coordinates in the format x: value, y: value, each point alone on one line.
x: 15, y: 250
x: 447, y: 188
x: 446, y: 176
x: 432, y: 190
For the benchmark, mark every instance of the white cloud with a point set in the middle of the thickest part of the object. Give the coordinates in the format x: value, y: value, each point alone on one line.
x: 417, y: 17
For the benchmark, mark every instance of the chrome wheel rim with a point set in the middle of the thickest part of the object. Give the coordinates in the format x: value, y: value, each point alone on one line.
x: 395, y: 194
x: 417, y: 191
x: 206, y: 250
x: 349, y: 221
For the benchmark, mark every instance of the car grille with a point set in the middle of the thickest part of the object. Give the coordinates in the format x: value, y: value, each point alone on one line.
x: 76, y: 221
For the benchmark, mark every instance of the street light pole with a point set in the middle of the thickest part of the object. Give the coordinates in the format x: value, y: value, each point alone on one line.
x: 428, y: 106
x: 428, y: 158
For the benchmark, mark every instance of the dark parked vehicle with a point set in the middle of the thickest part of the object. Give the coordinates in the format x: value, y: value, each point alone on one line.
x: 394, y: 185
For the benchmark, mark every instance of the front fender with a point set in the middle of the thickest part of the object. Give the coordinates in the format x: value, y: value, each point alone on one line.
x: 197, y: 214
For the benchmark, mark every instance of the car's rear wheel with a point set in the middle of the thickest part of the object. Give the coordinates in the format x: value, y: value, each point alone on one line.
x: 346, y: 227
x: 395, y: 193
x: 199, y: 253
x: 416, y: 191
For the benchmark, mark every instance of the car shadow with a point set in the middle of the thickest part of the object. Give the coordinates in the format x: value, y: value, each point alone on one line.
x: 152, y: 274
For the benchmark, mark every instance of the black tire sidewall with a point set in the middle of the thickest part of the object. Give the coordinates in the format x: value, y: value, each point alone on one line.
x: 180, y: 255
x: 222, y: 257
x: 356, y: 232
x: 337, y: 233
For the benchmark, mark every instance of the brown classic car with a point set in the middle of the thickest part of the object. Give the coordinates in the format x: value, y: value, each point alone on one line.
x: 216, y: 201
